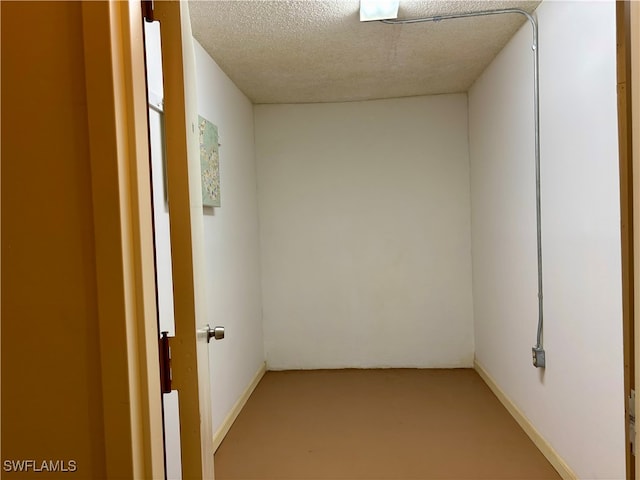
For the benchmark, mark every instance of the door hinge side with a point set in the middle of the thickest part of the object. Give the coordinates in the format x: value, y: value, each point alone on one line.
x: 165, y: 363
x: 147, y: 10
x: 632, y: 421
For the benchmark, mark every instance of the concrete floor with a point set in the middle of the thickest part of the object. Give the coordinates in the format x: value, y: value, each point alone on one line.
x: 377, y: 424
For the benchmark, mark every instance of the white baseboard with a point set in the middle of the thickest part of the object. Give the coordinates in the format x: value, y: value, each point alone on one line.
x: 237, y: 408
x: 547, y: 450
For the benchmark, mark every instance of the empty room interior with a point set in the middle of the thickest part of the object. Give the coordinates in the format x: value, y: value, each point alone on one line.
x: 374, y: 251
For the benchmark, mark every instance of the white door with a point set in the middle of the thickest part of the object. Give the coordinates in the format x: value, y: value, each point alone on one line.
x: 162, y: 237
x: 190, y: 366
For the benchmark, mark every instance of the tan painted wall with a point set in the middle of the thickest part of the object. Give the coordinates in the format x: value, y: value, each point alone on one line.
x: 51, y: 381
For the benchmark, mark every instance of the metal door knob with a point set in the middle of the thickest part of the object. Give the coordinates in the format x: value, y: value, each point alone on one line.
x: 216, y: 333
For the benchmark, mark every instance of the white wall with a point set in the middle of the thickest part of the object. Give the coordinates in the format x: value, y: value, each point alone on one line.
x: 365, y: 233
x: 577, y: 402
x: 231, y: 239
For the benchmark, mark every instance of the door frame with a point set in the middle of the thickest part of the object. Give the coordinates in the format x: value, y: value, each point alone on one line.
x: 627, y: 227
x: 634, y: 146
x: 190, y: 346
x: 120, y: 176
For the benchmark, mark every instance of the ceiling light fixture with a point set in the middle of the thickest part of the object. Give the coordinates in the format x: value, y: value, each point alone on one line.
x: 371, y: 10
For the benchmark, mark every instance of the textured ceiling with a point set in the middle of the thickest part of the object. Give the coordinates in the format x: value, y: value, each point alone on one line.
x: 318, y: 51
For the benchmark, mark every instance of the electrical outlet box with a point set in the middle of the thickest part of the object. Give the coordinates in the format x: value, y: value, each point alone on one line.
x: 538, y: 357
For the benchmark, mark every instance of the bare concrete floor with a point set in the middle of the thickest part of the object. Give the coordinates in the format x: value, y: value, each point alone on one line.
x: 377, y: 424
